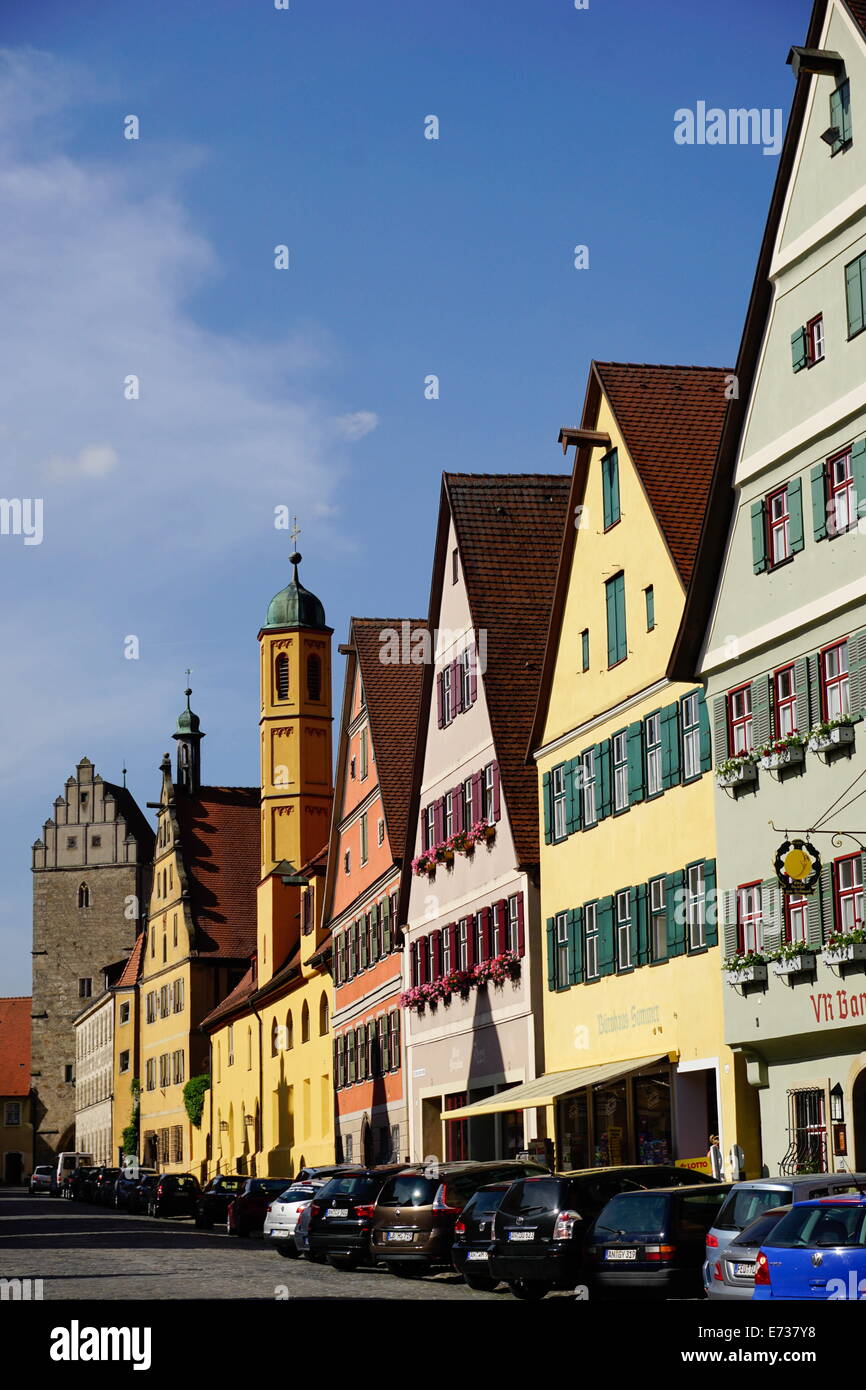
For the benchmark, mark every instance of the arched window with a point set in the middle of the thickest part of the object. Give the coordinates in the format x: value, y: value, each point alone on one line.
x: 282, y: 675
x: 305, y: 1023
x: 314, y: 677
x: 290, y: 1031
x: 275, y: 1036
x: 83, y: 895
x: 323, y: 1015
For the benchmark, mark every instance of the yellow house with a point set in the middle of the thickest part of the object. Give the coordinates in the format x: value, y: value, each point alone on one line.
x: 200, y: 935
x: 272, y: 1102
x: 636, y: 1067
x: 126, y: 1039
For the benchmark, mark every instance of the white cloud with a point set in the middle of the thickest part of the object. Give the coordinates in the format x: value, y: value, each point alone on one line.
x: 357, y: 424
x: 92, y: 462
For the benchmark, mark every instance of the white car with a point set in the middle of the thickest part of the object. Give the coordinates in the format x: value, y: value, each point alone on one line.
x: 282, y: 1215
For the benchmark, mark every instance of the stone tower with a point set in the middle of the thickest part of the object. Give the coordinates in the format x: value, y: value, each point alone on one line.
x: 90, y: 889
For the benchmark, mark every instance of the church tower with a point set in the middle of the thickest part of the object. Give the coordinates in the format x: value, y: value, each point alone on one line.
x: 296, y: 771
x: 188, y: 736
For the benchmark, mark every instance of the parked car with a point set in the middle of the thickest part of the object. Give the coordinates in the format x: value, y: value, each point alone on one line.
x: 65, y: 1164
x: 281, y: 1217
x: 138, y: 1202
x: 750, y: 1198
x: 105, y: 1184
x: 302, y: 1236
x: 214, y: 1198
x: 653, y: 1242
x: 473, y: 1236
x: 75, y: 1183
x: 330, y: 1171
x: 41, y: 1179
x: 246, y: 1212
x: 817, y: 1251
x: 341, y: 1216
x: 733, y: 1273
x: 174, y: 1194
x: 413, y: 1225
x: 125, y: 1187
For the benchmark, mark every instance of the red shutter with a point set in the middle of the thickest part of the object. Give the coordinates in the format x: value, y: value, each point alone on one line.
x: 423, y: 828
x: 470, y: 940
x: 440, y: 701
x: 456, y: 687
x: 437, y: 954
x: 495, y: 791
x: 477, y: 795
x: 485, y: 933
x: 439, y: 819
x: 422, y: 960
x: 521, y: 935
x: 500, y: 911
x: 473, y: 674
x: 452, y: 936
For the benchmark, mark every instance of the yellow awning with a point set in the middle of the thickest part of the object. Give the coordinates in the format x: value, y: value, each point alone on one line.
x: 544, y: 1090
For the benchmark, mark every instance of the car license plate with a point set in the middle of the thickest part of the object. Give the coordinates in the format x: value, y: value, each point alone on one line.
x: 620, y: 1254
x: 399, y: 1235
x: 337, y: 1211
x: 521, y: 1235
x: 476, y: 1255
x: 744, y: 1271
x: 278, y: 1231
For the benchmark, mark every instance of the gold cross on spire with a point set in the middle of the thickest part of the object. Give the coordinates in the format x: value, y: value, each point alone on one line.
x: 294, y: 533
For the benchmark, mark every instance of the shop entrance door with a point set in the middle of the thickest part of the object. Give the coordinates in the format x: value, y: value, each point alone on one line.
x: 858, y: 1105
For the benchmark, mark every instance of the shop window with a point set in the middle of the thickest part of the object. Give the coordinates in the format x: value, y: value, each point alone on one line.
x: 740, y: 720
x: 620, y: 771
x: 848, y: 874
x: 658, y: 919
x: 623, y: 930
x: 557, y: 785
x: 750, y: 921
x: 834, y: 681
x: 610, y: 1116
x: 696, y: 907
x: 456, y: 1131
x: 652, y: 1111
x: 653, y: 753
x: 587, y: 767
x: 796, y: 918
x: 590, y: 940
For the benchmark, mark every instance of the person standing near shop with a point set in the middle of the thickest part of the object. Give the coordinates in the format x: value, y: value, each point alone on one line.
x: 715, y: 1158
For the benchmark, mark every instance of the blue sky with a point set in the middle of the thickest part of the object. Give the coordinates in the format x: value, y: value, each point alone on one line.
x: 305, y: 388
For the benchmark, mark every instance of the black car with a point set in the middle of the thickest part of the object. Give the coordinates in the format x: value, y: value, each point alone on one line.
x: 125, y: 1187
x: 74, y: 1187
x: 473, y: 1236
x: 174, y: 1194
x: 653, y: 1242
x: 105, y: 1184
x: 341, y: 1214
x: 213, y: 1201
x: 138, y: 1201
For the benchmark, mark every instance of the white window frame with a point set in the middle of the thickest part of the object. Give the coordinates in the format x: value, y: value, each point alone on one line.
x: 620, y: 771
x: 653, y: 753
x: 696, y: 906
x: 590, y: 941
x: 557, y: 788
x: 587, y: 790
x: 658, y: 918
x: 512, y: 925
x: 623, y: 930
x: 561, y: 942
x: 691, y: 718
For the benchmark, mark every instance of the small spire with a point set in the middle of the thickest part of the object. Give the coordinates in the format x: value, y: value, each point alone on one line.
x: 123, y: 771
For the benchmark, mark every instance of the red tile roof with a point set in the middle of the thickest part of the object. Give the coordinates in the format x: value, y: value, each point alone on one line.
x: 671, y: 419
x: 509, y: 532
x: 235, y: 1002
x: 129, y: 975
x: 220, y: 844
x: 857, y: 10
x: 393, y: 695
x: 15, y: 1046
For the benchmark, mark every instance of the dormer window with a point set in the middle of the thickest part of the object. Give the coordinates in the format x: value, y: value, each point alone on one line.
x: 282, y: 676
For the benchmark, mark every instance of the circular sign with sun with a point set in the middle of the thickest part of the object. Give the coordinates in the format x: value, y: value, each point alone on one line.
x: 797, y: 865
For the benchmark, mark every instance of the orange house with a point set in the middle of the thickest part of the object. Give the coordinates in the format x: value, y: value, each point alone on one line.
x: 374, y: 764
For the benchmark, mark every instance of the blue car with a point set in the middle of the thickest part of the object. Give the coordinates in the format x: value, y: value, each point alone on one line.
x: 817, y: 1251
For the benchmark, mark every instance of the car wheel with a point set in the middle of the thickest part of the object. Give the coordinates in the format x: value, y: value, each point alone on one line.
x: 477, y: 1281
x: 531, y: 1290
x: 288, y: 1252
x: 348, y: 1262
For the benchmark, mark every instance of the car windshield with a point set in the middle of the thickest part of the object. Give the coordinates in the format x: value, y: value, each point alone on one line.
x: 758, y: 1231
x: 301, y: 1193
x: 633, y: 1213
x: 359, y: 1188
x: 831, y: 1223
x: 484, y: 1204
x: 187, y: 1184
x: 267, y: 1185
x: 743, y: 1204
x: 532, y: 1198
x: 228, y: 1184
x: 409, y: 1190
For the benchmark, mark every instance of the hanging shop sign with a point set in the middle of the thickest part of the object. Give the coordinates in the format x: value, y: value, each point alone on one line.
x: 798, y: 866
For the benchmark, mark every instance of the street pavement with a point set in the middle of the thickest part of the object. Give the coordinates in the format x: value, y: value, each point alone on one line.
x: 86, y: 1252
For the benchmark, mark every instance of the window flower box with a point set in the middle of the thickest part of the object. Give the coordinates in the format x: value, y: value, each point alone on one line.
x: 845, y: 954
x: 782, y: 754
x: 748, y: 969
x: 827, y: 737
x: 737, y: 772
x: 424, y: 863
x: 801, y: 964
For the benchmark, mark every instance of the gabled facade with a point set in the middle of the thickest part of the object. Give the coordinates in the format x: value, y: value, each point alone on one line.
x: 368, y: 835
x: 16, y: 1116
x: 636, y: 1067
x: 200, y: 934
x: 780, y: 635
x: 271, y: 1104
x: 472, y: 965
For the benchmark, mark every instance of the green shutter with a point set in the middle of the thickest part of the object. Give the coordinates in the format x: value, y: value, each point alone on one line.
x: 711, y: 899
x: 603, y: 779
x: 641, y: 908
x: 814, y: 923
x: 760, y: 711
x: 772, y: 910
x: 548, y: 809
x: 795, y: 514
x: 551, y: 953
x: 606, y: 944
x: 854, y: 295
x: 819, y: 502
x: 634, y: 745
x: 706, y: 742
x: 575, y: 943
x: 650, y: 608
x: 857, y: 672
x: 676, y: 912
x: 386, y: 926
x: 827, y: 904
x: 573, y: 799
x: 801, y: 685
x: 799, y: 355
x: 669, y: 725
x: 610, y: 488
x: 858, y: 473
x: 616, y: 633
x: 720, y: 727
x: 605, y: 493
x: 815, y: 701
x: 732, y: 930
x: 611, y: 623
x: 759, y: 538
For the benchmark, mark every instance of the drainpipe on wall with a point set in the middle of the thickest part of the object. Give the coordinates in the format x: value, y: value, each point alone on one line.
x: 260, y: 1137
